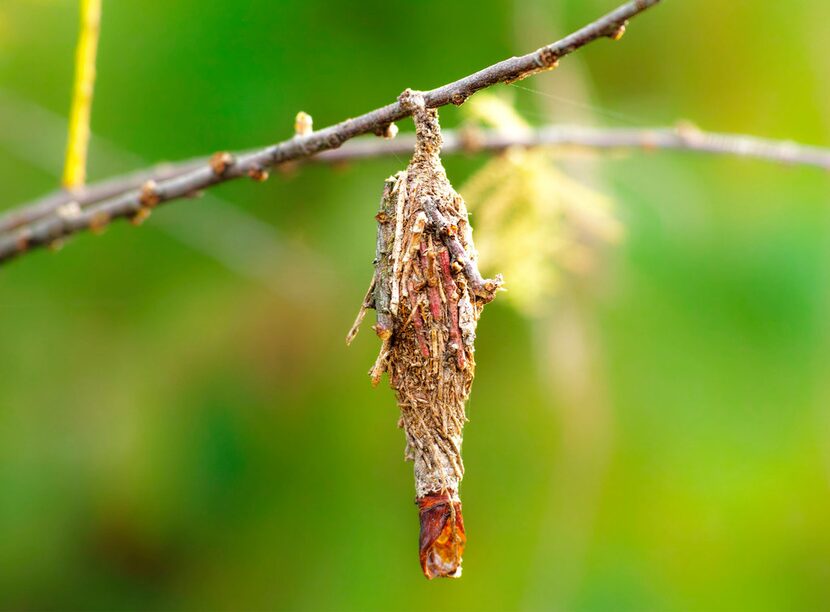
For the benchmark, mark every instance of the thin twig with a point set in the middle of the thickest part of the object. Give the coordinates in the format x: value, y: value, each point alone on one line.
x: 93, y: 193
x: 224, y: 167
x: 683, y: 138
x: 235, y: 239
x: 74, y: 172
x: 482, y: 287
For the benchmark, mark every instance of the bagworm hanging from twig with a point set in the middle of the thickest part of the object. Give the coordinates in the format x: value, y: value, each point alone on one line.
x: 428, y: 295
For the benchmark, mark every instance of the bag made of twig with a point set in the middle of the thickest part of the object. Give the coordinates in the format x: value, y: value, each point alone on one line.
x: 428, y: 295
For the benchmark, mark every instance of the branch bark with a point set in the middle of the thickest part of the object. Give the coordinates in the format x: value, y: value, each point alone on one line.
x: 683, y: 138
x: 224, y: 167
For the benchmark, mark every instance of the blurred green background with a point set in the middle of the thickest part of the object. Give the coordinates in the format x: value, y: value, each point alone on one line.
x: 182, y: 427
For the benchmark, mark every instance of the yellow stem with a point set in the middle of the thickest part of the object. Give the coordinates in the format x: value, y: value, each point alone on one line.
x: 74, y: 173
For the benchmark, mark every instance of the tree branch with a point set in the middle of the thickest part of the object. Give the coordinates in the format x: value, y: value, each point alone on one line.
x: 683, y: 138
x: 224, y: 167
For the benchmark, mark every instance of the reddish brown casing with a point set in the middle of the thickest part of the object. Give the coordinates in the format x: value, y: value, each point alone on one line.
x: 442, y: 537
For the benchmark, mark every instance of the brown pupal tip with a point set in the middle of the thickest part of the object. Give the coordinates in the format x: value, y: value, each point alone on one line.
x: 303, y: 124
x: 149, y: 197
x: 442, y: 537
x: 220, y: 162
x: 258, y: 174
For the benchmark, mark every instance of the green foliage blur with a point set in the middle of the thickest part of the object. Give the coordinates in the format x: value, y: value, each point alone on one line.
x: 182, y: 426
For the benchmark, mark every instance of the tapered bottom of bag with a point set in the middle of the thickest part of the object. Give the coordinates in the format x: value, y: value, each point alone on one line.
x: 442, y: 534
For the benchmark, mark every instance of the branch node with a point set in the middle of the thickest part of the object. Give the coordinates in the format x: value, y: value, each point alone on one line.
x: 459, y: 98
x: 548, y: 58
x: 388, y: 131
x: 334, y: 140
x: 617, y: 32
x: 688, y: 132
x: 544, y: 59
x: 69, y: 211
x: 411, y: 100
x: 258, y: 174
x: 149, y: 196
x: 220, y: 162
x: 303, y: 124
